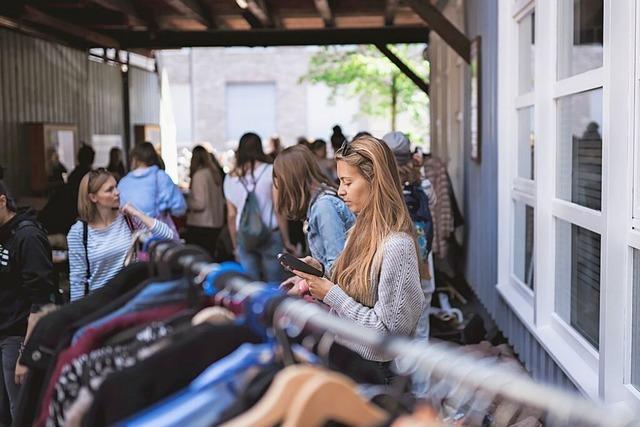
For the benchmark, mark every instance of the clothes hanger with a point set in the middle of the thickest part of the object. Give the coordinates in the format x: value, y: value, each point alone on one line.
x: 332, y: 397
x: 157, y: 248
x: 170, y: 265
x: 273, y: 406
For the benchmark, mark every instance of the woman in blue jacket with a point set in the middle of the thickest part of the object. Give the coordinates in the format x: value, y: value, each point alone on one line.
x: 304, y: 193
x: 150, y: 188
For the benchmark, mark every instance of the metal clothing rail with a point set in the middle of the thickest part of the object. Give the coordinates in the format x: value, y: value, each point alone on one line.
x: 477, y: 381
x: 461, y: 370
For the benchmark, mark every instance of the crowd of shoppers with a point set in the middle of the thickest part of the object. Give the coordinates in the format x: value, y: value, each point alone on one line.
x: 365, y: 212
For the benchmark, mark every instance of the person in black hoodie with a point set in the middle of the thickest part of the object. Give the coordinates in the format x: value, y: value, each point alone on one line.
x: 26, y: 283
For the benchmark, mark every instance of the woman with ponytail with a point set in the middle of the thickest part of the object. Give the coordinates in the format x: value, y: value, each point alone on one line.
x: 376, y: 279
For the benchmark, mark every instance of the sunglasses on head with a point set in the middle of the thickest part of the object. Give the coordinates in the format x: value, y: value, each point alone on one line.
x: 345, y: 147
x: 96, y: 172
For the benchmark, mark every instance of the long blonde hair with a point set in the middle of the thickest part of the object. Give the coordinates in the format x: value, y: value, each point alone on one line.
x: 384, y: 213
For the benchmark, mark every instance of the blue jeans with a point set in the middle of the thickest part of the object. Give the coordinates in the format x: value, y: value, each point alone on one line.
x: 262, y: 263
x: 9, y: 347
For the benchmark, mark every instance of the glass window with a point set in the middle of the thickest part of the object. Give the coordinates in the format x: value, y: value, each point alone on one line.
x: 635, y: 341
x: 580, y: 36
x: 526, y: 53
x: 523, y: 243
x: 578, y: 279
x: 579, y: 161
x: 526, y: 143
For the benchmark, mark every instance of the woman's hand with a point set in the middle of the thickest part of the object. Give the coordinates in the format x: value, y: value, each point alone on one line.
x: 129, y: 209
x: 20, y: 372
x: 319, y: 287
x: 291, y: 285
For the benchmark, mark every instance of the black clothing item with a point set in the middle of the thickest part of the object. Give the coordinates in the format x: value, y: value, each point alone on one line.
x: 54, y: 331
x: 205, y: 237
x: 89, y: 370
x: 127, y: 392
x: 117, y: 170
x: 26, y: 271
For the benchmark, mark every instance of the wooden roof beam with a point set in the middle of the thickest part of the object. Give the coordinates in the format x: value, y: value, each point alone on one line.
x: 192, y: 9
x: 390, y: 10
x: 273, y: 37
x: 125, y: 7
x: 441, y: 25
x: 35, y: 16
x: 424, y: 86
x: 256, y: 14
x: 324, y: 9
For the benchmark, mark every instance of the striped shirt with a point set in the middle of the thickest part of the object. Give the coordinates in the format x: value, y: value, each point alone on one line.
x: 399, y: 297
x: 107, y: 249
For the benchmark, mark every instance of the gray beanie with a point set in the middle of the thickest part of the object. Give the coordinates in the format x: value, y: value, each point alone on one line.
x: 400, y: 146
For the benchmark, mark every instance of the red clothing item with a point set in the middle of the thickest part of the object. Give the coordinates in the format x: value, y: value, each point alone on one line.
x: 92, y: 340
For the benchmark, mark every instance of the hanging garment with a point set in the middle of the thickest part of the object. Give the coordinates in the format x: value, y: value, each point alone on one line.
x: 91, y: 340
x: 153, y: 295
x: 215, y: 390
x: 436, y: 172
x: 54, y: 330
x: 127, y: 392
x: 90, y: 370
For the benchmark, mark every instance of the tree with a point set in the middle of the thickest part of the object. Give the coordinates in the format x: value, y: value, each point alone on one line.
x: 364, y: 72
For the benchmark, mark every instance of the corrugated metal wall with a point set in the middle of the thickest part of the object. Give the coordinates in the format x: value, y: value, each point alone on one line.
x: 41, y: 81
x: 105, y: 99
x: 481, y: 205
x: 144, y: 96
x: 480, y: 180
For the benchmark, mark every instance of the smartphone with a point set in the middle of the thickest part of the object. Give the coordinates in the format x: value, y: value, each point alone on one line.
x: 290, y: 263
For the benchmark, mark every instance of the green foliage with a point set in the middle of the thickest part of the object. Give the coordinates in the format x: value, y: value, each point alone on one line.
x: 364, y: 72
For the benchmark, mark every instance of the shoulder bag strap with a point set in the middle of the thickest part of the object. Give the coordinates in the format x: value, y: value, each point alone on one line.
x: 85, y: 241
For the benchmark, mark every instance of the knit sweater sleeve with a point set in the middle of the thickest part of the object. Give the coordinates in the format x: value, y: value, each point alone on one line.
x: 400, y: 298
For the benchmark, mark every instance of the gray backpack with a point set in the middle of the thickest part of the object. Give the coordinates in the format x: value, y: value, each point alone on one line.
x: 252, y: 231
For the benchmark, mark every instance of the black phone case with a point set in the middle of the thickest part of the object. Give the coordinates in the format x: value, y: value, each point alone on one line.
x: 293, y: 263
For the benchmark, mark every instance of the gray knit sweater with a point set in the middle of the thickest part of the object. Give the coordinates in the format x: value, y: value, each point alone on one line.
x: 399, y: 299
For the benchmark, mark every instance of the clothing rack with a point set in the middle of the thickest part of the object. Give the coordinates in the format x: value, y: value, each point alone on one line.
x: 474, y: 384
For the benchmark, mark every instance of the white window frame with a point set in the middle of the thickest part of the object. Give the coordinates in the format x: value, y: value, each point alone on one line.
x: 604, y: 374
x: 518, y: 188
x: 628, y: 231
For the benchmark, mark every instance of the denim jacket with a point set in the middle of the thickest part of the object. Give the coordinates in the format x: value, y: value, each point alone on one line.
x: 328, y: 221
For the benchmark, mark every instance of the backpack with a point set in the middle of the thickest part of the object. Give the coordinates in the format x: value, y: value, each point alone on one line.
x: 418, y: 205
x: 252, y: 231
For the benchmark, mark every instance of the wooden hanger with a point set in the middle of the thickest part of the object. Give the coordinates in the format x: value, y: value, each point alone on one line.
x: 332, y: 396
x: 274, y: 405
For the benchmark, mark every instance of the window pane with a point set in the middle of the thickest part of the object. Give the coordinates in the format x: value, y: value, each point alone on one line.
x: 526, y: 53
x: 580, y: 35
x: 526, y: 140
x: 579, y: 168
x: 635, y: 342
x: 523, y: 243
x: 578, y: 279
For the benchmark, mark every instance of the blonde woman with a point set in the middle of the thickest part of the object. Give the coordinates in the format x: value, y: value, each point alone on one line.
x: 99, y: 241
x: 375, y: 281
